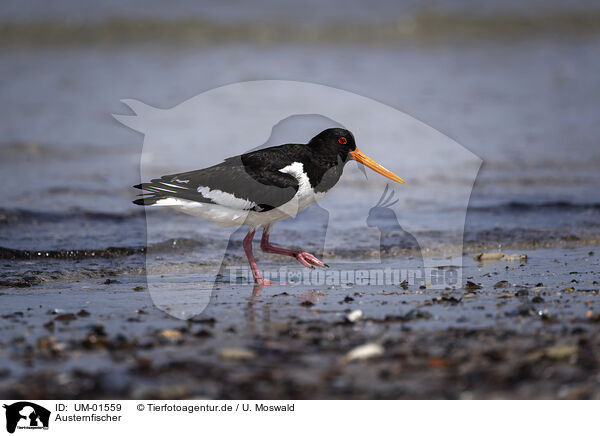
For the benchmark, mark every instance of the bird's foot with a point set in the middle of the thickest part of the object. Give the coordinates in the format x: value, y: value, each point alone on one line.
x: 264, y: 282
x: 308, y: 260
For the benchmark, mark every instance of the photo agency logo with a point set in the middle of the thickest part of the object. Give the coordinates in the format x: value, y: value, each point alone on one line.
x: 25, y: 415
x: 265, y: 159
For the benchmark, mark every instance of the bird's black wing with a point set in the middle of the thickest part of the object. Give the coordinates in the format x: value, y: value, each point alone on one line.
x: 246, y: 182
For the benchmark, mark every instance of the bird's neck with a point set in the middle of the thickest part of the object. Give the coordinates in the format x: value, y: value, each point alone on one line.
x: 326, y: 169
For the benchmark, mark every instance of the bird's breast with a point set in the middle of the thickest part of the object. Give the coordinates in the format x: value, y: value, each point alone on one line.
x: 306, y: 194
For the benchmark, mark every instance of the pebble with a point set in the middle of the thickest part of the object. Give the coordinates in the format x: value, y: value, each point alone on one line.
x: 545, y: 315
x: 525, y: 309
x: 447, y: 299
x: 236, y: 354
x: 354, y: 316
x: 416, y: 314
x: 172, y: 335
x: 522, y: 292
x: 490, y: 257
x: 364, y: 352
x: 559, y: 352
x: 471, y: 286
x: 515, y: 257
x: 50, y: 345
x: 65, y: 317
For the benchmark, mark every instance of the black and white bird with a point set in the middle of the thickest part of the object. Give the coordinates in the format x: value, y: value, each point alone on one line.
x: 261, y: 187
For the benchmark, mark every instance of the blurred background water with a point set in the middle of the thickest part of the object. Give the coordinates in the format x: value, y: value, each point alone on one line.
x: 517, y: 83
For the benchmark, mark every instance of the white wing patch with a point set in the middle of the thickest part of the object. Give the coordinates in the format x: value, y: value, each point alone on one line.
x: 226, y: 199
x: 297, y: 170
x: 306, y: 194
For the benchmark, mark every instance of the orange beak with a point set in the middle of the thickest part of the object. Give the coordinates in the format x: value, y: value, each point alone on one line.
x: 359, y: 156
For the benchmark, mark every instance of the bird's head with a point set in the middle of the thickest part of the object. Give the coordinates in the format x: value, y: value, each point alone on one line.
x: 340, y: 143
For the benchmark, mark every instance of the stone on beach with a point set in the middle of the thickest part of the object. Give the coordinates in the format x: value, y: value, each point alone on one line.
x: 236, y: 354
x: 491, y: 257
x: 169, y: 334
x: 354, y: 316
x: 364, y: 352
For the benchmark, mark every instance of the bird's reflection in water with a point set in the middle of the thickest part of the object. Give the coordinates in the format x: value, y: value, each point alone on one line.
x: 256, y: 290
x: 256, y: 304
x: 257, y: 312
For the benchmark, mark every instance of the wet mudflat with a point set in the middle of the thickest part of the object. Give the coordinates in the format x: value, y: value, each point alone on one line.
x: 516, y: 329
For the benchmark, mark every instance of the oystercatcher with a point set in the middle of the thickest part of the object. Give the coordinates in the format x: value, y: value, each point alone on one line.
x: 261, y: 187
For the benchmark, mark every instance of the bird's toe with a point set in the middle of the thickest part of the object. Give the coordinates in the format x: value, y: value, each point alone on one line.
x: 309, y: 260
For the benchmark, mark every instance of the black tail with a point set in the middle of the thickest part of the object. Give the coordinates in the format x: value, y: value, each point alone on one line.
x: 148, y: 201
x: 147, y: 198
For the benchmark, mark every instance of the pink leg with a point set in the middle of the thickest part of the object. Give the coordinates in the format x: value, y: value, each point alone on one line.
x: 306, y: 259
x: 247, y: 244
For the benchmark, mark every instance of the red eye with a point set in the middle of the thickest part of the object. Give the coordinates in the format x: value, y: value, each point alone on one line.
x: 342, y: 140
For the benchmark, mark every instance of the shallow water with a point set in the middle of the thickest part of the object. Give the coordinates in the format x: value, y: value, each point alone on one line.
x: 527, y: 108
